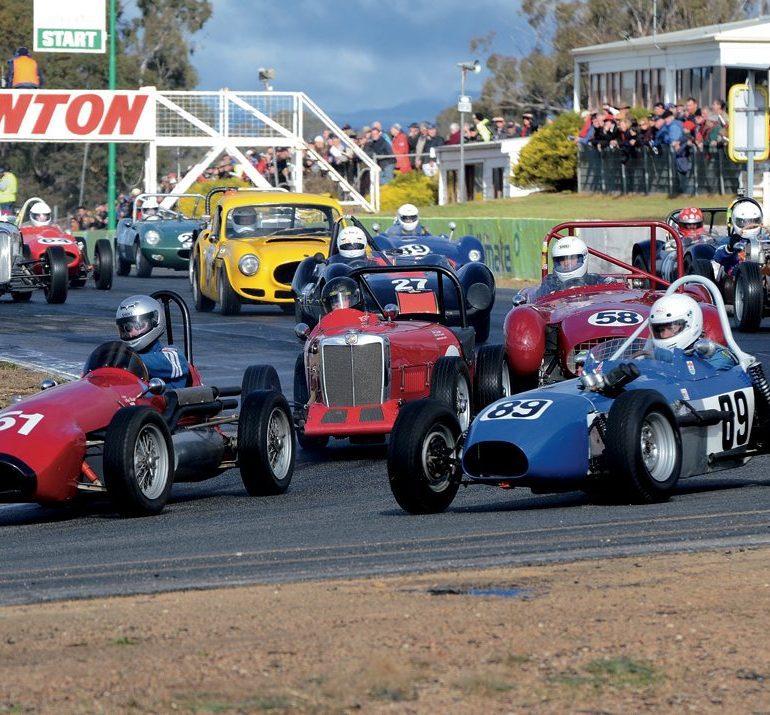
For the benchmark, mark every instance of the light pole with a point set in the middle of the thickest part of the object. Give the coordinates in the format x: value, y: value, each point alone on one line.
x: 464, y: 105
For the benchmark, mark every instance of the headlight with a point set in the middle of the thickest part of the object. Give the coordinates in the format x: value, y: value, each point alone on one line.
x: 152, y: 237
x: 248, y: 265
x: 474, y: 255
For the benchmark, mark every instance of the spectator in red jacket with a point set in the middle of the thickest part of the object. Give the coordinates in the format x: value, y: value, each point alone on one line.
x: 400, y: 144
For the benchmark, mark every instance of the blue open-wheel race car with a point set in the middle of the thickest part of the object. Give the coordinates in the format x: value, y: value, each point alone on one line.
x: 629, y: 427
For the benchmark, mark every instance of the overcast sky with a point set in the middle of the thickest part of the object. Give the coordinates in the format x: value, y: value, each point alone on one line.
x: 365, y: 53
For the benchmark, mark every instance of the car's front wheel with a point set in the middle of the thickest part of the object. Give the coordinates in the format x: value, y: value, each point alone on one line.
x: 143, y: 266
x: 422, y: 457
x: 55, y: 287
x: 229, y: 300
x: 201, y: 302
x: 492, y: 377
x: 103, y: 261
x: 138, y: 461
x: 450, y: 384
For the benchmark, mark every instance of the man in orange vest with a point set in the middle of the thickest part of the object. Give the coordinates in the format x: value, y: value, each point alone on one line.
x: 23, y: 72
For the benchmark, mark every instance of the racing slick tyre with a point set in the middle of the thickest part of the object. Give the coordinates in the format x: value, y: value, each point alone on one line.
x: 643, y: 447
x: 641, y: 264
x: 21, y: 296
x: 55, y: 264
x: 749, y: 297
x: 201, y: 302
x: 450, y: 384
x: 124, y: 267
x: 259, y: 377
x: 229, y: 301
x: 143, y: 266
x: 422, y: 466
x: 265, y: 443
x: 699, y: 267
x: 103, y: 261
x: 301, y: 397
x: 138, y: 461
x: 493, y: 378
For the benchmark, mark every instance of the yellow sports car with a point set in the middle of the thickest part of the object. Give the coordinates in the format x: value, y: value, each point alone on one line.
x: 253, y: 244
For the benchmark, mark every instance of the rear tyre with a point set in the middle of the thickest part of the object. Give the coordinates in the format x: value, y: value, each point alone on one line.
x: 259, y: 377
x: 422, y: 469
x: 749, y: 297
x: 301, y: 397
x: 138, y: 461
x: 481, y: 325
x: 229, y: 301
x: 55, y: 264
x: 201, y: 302
x: 699, y: 267
x: 450, y: 384
x: 124, y: 267
x: 643, y: 447
x: 143, y: 266
x: 103, y: 261
x: 493, y: 377
x: 265, y: 443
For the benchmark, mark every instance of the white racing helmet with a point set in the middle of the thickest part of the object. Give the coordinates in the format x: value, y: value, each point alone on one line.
x: 351, y: 242
x: 140, y: 320
x: 150, y: 207
x: 746, y: 218
x: 40, y: 214
x: 570, y: 258
x: 408, y: 217
x: 676, y: 321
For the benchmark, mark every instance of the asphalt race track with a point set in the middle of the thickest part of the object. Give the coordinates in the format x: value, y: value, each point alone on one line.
x: 339, y: 518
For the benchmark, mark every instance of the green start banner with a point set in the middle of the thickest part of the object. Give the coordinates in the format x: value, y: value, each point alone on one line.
x: 512, y: 245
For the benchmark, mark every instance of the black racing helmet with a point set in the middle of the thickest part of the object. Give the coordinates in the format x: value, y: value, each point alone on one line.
x: 341, y: 292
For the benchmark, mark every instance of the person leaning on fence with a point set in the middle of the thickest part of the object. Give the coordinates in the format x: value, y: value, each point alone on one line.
x: 23, y: 71
x: 379, y: 149
x: 482, y: 127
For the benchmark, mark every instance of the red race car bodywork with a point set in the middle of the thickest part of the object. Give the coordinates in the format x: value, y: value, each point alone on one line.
x: 547, y: 335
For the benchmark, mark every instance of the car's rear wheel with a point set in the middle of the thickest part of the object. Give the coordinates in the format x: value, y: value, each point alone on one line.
x: 643, y: 447
x: 201, y: 302
x: 450, y: 384
x: 138, y: 461
x: 422, y: 457
x: 229, y: 300
x: 265, y: 443
x: 143, y: 266
x: 103, y: 261
x: 749, y: 297
x: 301, y: 397
x: 699, y: 267
x: 57, y: 281
x: 493, y: 377
x: 259, y: 377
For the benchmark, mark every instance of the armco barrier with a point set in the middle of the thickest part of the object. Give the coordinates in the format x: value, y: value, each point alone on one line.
x: 512, y: 244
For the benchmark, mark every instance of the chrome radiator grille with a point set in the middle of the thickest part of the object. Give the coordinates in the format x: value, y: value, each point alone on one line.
x: 353, y: 374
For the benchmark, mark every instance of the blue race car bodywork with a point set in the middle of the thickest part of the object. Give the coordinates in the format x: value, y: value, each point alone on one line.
x: 467, y: 249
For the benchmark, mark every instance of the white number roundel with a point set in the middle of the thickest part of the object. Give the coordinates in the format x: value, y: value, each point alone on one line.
x: 616, y: 317
x: 55, y: 241
x: 414, y: 249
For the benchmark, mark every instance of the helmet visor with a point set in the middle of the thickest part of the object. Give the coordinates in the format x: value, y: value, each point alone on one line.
x: 409, y: 218
x: 566, y: 264
x: 661, y: 331
x: 746, y: 222
x: 134, y: 326
x: 352, y: 246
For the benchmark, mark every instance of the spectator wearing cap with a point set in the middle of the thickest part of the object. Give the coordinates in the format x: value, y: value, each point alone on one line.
x: 672, y: 132
x: 528, y: 126
x: 658, y: 109
x: 434, y: 139
x: 482, y: 128
x: 498, y: 128
x: 379, y: 150
x: 400, y: 146
x: 512, y: 129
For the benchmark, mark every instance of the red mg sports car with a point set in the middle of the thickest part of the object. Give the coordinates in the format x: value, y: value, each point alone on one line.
x: 117, y: 433
x: 548, y: 333
x: 361, y: 364
x: 38, y: 239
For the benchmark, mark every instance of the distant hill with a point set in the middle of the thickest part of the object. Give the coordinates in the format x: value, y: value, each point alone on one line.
x: 417, y: 110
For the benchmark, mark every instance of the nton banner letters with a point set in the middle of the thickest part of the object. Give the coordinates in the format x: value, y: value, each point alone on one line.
x: 67, y: 115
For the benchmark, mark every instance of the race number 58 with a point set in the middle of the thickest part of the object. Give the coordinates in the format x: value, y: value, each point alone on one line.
x: 16, y: 419
x: 615, y: 317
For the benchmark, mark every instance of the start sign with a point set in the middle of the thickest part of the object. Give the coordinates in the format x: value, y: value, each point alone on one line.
x: 69, y: 26
x: 85, y: 116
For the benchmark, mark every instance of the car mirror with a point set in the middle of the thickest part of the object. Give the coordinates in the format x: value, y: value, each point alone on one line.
x: 519, y: 299
x: 376, y: 227
x: 390, y: 311
x: 302, y: 331
x: 319, y: 257
x: 48, y: 384
x: 156, y: 386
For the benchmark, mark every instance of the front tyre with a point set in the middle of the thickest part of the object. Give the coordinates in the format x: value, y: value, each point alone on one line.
x: 265, y: 443
x: 450, y: 384
x: 201, y: 302
x: 422, y: 457
x: 492, y: 378
x: 229, y: 300
x: 259, y: 377
x: 301, y: 398
x: 749, y: 297
x: 143, y: 266
x: 643, y: 447
x: 138, y: 461
x: 103, y: 261
x: 55, y: 264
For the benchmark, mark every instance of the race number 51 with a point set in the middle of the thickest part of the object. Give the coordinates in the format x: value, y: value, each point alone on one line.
x: 16, y: 419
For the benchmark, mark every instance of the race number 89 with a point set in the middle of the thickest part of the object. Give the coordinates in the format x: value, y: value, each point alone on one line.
x: 517, y: 409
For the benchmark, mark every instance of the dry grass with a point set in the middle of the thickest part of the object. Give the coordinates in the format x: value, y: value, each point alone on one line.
x: 15, y: 380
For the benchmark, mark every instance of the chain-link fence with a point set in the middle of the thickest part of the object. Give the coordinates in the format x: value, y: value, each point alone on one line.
x: 658, y: 170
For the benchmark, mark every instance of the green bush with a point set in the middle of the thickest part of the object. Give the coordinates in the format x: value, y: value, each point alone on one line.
x: 549, y: 160
x: 412, y: 188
